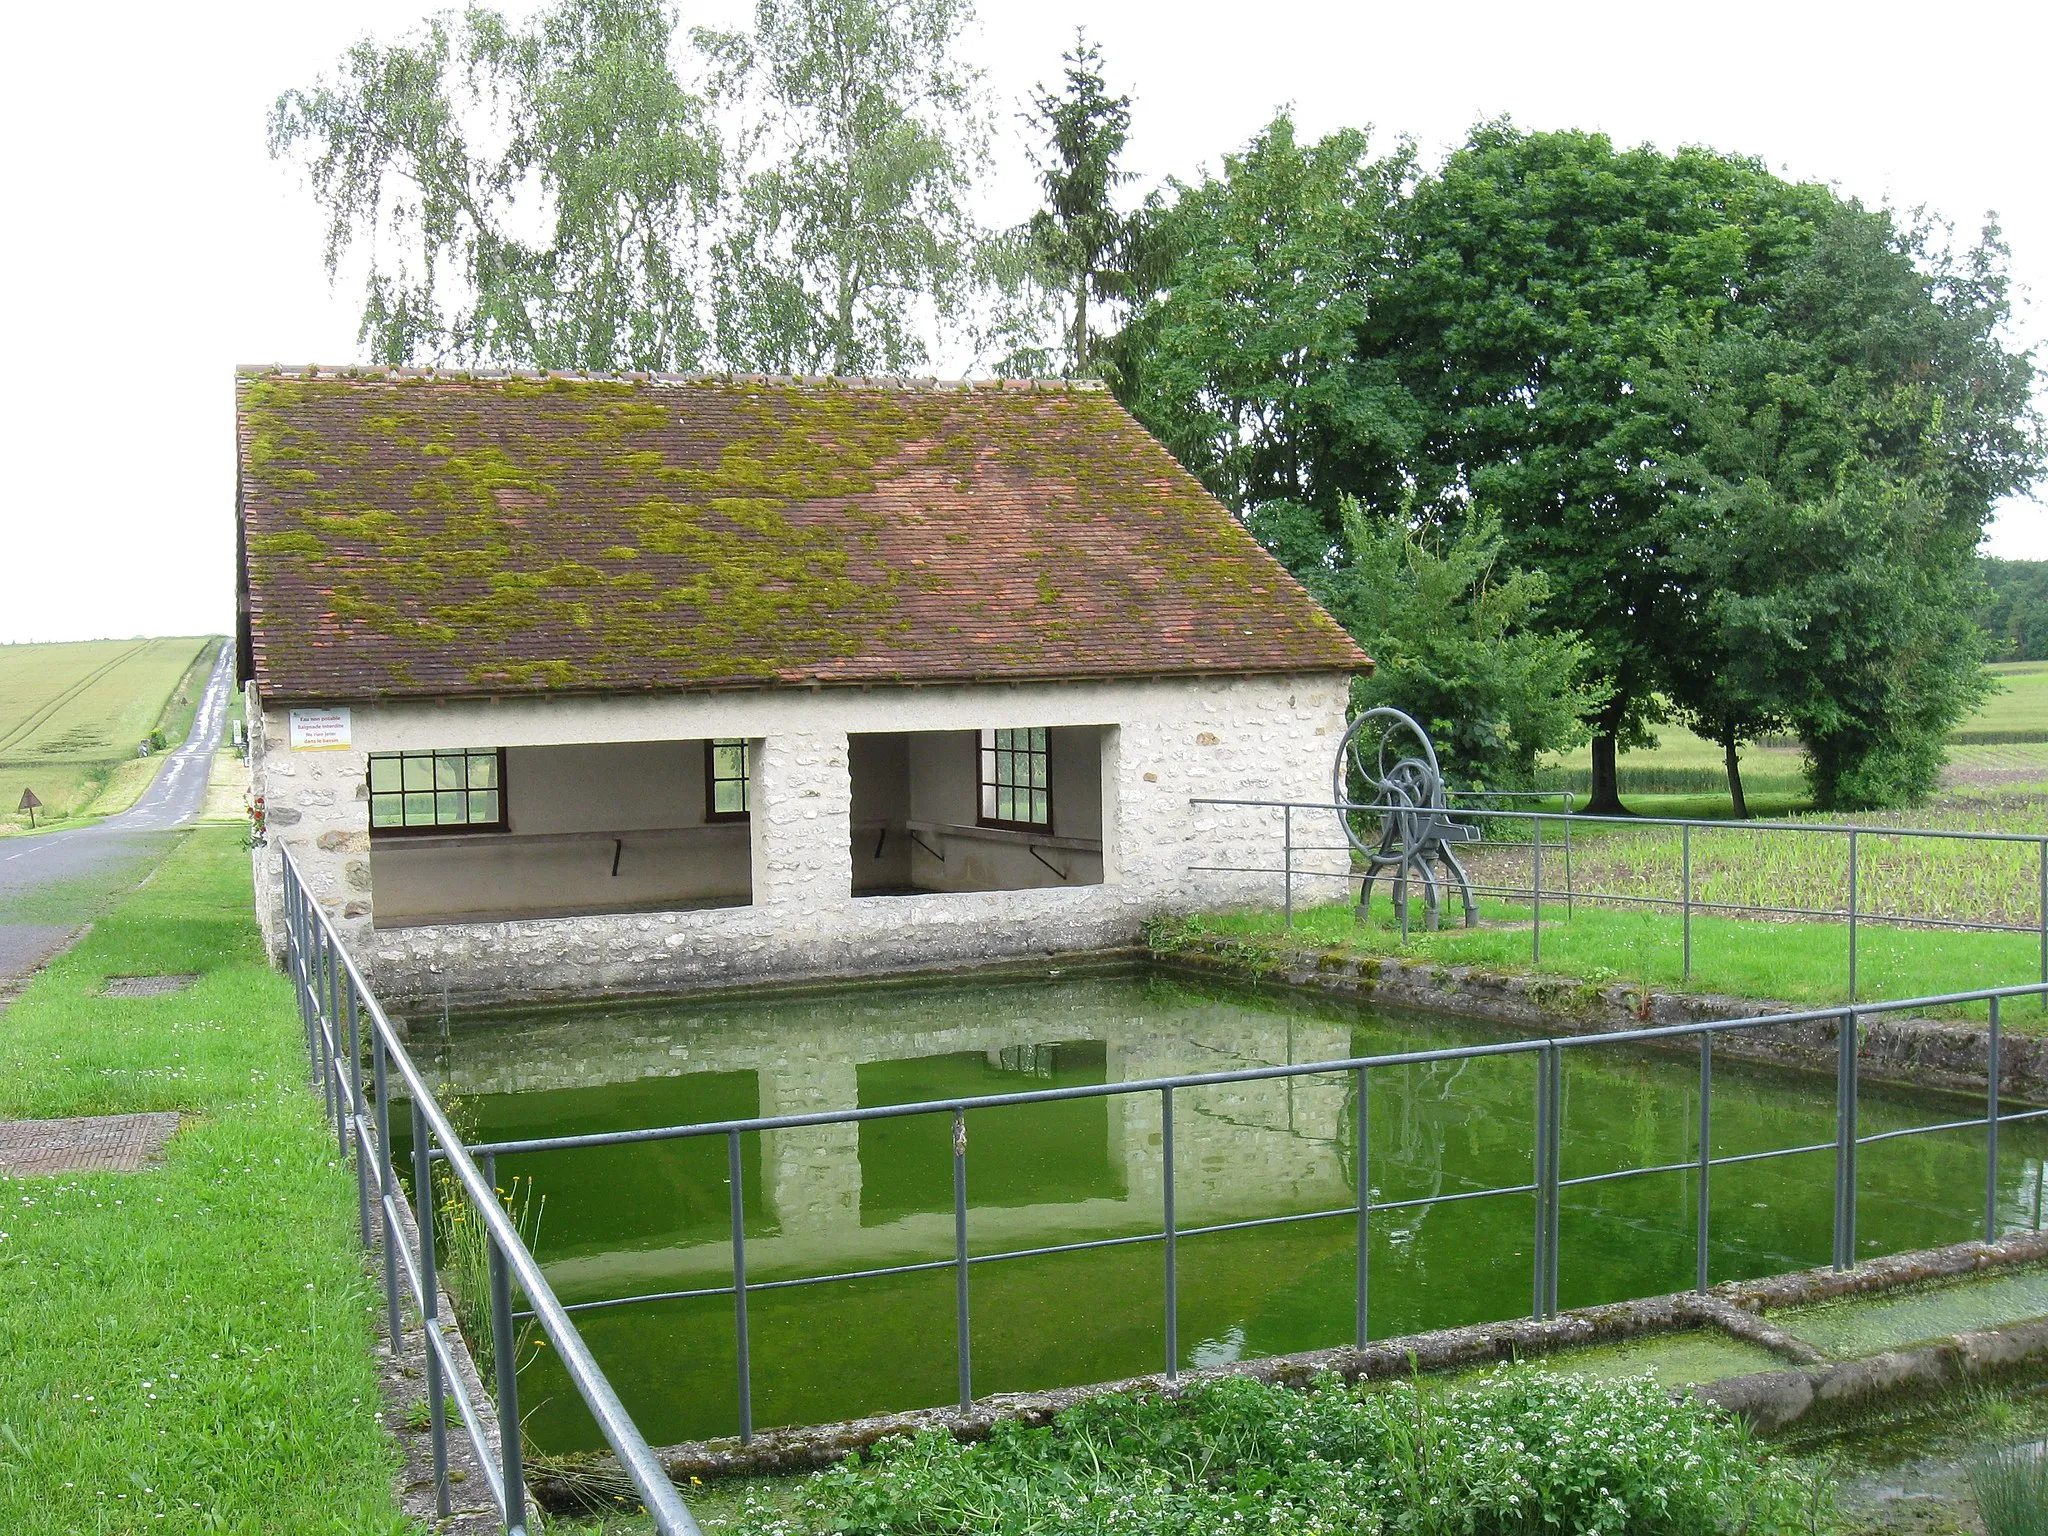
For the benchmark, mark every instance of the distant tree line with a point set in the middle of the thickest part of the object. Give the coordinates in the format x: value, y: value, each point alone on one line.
x: 1578, y: 440
x: 2015, y: 613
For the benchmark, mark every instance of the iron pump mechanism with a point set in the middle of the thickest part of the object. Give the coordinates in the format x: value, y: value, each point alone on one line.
x: 1387, y: 757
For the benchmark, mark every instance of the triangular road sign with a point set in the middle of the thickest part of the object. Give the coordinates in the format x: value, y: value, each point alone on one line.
x: 29, y: 802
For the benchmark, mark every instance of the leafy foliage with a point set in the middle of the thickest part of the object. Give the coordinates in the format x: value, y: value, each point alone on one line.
x: 1523, y: 1452
x: 1242, y: 351
x: 1456, y: 643
x: 2015, y: 616
x: 1718, y: 409
x: 1079, y: 236
x: 423, y: 151
x: 863, y: 134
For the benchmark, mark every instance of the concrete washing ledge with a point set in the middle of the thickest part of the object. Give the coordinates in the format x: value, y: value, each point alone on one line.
x: 1812, y: 1387
x: 1912, y: 1052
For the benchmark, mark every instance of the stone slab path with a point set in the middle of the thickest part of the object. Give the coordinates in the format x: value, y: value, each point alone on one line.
x: 99, y: 1144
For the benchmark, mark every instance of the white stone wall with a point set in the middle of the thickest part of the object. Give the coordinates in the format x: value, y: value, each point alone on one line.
x: 1263, y: 738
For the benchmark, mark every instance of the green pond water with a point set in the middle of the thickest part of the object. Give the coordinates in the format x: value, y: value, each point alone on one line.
x: 1675, y: 1359
x: 1867, y: 1325
x: 654, y: 1217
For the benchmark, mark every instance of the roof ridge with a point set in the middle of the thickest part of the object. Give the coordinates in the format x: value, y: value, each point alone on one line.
x: 371, y: 372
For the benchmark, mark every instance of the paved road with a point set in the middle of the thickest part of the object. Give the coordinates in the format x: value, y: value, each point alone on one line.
x: 38, y: 871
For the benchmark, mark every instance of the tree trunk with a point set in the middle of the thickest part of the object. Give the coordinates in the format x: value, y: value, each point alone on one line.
x: 1734, y: 778
x: 1606, y: 798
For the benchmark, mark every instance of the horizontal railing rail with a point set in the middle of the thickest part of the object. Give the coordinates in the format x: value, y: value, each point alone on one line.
x: 1545, y: 1186
x: 1855, y: 912
x: 340, y: 1016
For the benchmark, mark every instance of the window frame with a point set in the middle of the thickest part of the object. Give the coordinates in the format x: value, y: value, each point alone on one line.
x: 712, y: 779
x: 989, y: 751
x: 440, y: 828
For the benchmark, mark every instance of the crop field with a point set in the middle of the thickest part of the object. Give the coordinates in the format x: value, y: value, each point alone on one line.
x: 72, y: 715
x: 2018, y: 712
x: 1688, y: 765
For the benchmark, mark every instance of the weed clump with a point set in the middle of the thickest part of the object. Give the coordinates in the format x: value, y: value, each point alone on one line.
x: 1523, y: 1452
x: 2011, y: 1485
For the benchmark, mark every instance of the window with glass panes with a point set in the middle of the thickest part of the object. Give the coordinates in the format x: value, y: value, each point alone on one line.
x: 1016, y: 779
x: 437, y: 791
x: 726, y: 771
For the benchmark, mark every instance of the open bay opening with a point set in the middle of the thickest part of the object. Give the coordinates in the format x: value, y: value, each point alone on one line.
x: 486, y: 835
x: 1000, y: 809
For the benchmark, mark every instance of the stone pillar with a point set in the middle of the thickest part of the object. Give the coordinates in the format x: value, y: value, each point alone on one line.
x: 802, y: 804
x: 317, y: 804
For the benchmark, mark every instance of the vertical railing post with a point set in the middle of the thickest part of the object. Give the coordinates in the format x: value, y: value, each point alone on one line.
x: 505, y: 1348
x: 1685, y: 897
x: 430, y: 1299
x: 1852, y: 914
x: 355, y: 1107
x: 344, y: 1092
x: 394, y: 1322
x: 2044, y: 930
x: 1567, y: 855
x: 1287, y: 870
x: 1991, y: 1071
x: 1361, y: 1333
x: 742, y: 1343
x: 1540, y: 1263
x: 1845, y: 1145
x: 295, y: 956
x: 323, y: 1007
x: 1171, y: 1237
x: 1553, y: 1246
x: 963, y: 1346
x: 1703, y: 1220
x: 1536, y: 898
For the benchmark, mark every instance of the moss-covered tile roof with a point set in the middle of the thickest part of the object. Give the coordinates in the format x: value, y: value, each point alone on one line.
x: 419, y: 534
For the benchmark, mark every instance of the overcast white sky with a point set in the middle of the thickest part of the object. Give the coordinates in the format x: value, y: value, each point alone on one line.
x: 151, y: 245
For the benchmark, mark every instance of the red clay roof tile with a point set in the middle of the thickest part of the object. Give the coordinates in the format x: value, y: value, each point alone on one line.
x: 411, y: 534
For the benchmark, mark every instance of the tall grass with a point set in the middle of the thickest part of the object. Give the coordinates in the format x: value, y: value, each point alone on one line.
x: 2011, y: 1485
x: 462, y: 1246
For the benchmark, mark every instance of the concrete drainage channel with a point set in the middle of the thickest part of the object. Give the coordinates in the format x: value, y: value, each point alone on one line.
x: 1801, y: 1352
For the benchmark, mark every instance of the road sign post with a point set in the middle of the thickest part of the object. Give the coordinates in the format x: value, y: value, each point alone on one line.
x: 29, y: 802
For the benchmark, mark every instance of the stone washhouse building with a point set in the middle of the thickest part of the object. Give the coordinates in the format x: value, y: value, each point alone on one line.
x: 572, y: 685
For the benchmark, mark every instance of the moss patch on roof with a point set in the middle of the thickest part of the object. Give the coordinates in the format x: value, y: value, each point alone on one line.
x: 433, y: 535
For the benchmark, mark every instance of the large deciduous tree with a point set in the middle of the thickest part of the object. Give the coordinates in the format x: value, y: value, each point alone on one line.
x: 1839, y: 446
x: 527, y: 194
x: 1242, y: 353
x: 863, y: 131
x: 1656, y: 370
x: 1537, y: 273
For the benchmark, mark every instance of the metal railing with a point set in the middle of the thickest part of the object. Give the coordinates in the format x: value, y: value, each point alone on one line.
x: 1685, y: 903
x: 341, y: 1016
x: 1545, y: 1187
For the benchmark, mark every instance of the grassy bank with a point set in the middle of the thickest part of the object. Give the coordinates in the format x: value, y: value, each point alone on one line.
x: 188, y: 1348
x: 1804, y: 963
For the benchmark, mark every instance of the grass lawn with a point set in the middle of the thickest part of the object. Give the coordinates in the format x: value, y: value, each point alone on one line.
x: 71, y: 716
x: 189, y: 1348
x: 1796, y: 962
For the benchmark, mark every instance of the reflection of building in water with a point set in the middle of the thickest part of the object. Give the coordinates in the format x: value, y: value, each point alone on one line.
x: 1241, y: 1148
